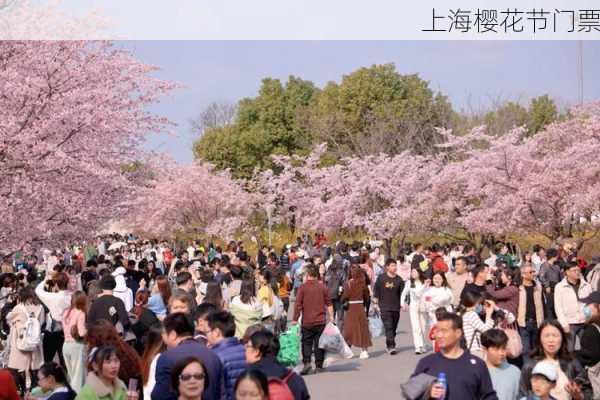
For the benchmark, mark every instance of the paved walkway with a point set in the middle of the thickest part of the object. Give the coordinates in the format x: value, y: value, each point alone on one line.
x: 378, y: 378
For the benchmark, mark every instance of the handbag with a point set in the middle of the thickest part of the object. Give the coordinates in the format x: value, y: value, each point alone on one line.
x: 289, y: 349
x: 473, y: 338
x: 514, y: 346
x: 75, y: 334
x: 376, y: 327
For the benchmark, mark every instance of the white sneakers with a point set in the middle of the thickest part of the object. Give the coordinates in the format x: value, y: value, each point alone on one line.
x: 363, y: 355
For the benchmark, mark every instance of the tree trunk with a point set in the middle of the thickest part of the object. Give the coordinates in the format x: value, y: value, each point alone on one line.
x: 387, y: 246
x: 402, y: 243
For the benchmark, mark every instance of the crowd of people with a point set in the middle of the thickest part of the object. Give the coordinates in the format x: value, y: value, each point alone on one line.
x: 143, y: 319
x: 512, y: 326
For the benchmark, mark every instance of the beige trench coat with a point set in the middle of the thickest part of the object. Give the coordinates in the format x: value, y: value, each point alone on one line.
x: 23, y: 361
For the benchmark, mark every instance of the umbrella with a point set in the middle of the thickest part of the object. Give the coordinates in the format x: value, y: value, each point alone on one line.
x: 116, y: 245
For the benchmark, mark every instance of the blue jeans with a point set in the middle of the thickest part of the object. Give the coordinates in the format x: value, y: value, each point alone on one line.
x: 528, y: 334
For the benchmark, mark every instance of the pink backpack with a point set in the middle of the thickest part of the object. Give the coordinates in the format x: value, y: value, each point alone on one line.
x: 279, y: 389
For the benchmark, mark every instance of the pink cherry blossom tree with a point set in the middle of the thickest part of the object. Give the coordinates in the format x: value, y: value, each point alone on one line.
x: 193, y: 199
x: 44, y: 20
x: 546, y: 184
x: 377, y: 195
x: 72, y: 115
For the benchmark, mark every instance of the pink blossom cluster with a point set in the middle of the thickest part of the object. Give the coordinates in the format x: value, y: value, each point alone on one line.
x: 189, y: 198
x: 72, y: 114
x: 479, y: 184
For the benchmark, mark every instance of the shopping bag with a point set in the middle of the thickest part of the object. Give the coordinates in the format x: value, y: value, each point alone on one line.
x: 289, y: 347
x: 331, y: 339
x: 331, y: 358
x: 375, y: 324
x: 346, y: 351
x: 514, y: 346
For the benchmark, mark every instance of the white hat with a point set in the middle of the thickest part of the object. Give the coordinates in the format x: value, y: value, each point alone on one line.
x: 545, y: 369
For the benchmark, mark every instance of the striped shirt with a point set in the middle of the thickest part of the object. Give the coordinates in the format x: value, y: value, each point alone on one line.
x: 473, y: 326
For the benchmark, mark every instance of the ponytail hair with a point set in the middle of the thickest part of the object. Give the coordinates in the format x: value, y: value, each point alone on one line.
x: 56, y: 371
x: 469, y: 299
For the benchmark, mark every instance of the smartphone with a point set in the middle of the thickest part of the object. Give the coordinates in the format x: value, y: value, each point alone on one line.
x: 132, y: 387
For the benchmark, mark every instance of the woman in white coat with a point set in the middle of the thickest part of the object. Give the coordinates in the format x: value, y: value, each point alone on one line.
x: 435, y: 296
x: 413, y: 289
x: 25, y: 362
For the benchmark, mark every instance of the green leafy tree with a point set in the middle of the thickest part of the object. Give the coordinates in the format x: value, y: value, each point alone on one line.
x: 376, y: 110
x: 506, y: 117
x: 542, y: 111
x: 264, y: 125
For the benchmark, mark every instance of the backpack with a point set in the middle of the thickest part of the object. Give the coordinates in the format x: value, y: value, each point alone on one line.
x: 334, y: 278
x: 30, y: 336
x: 279, y: 389
x: 438, y: 264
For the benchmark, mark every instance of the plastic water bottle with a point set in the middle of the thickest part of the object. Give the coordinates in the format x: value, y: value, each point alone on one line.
x: 441, y: 380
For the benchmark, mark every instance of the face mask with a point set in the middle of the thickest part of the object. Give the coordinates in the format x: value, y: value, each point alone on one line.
x: 478, y: 309
x: 587, y: 312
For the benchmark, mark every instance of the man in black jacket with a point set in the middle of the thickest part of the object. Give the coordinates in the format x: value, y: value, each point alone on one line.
x: 387, y: 294
x: 549, y: 275
x: 107, y: 306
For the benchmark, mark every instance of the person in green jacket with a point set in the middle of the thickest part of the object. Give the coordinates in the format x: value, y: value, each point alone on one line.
x: 245, y: 308
x: 504, y: 256
x: 102, y: 382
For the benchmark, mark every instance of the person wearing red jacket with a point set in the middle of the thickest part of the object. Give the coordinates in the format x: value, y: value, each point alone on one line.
x: 8, y: 388
x: 314, y: 305
x: 436, y: 259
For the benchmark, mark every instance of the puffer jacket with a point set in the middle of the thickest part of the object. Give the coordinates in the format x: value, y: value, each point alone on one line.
x: 233, y: 357
x: 572, y: 368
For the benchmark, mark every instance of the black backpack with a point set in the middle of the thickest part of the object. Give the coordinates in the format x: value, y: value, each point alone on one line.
x: 335, y: 277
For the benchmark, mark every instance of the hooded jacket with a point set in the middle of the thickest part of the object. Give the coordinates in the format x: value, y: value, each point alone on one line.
x: 121, y: 290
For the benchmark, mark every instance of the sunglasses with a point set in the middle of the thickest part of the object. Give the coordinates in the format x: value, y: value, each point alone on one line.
x: 187, y: 377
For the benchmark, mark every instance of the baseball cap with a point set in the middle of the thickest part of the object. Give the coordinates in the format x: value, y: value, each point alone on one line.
x: 546, y: 369
x: 594, y: 297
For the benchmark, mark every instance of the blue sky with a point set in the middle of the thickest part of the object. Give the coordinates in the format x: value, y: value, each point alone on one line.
x: 472, y: 74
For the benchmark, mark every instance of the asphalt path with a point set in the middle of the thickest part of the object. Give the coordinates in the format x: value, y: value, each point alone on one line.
x: 376, y: 378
